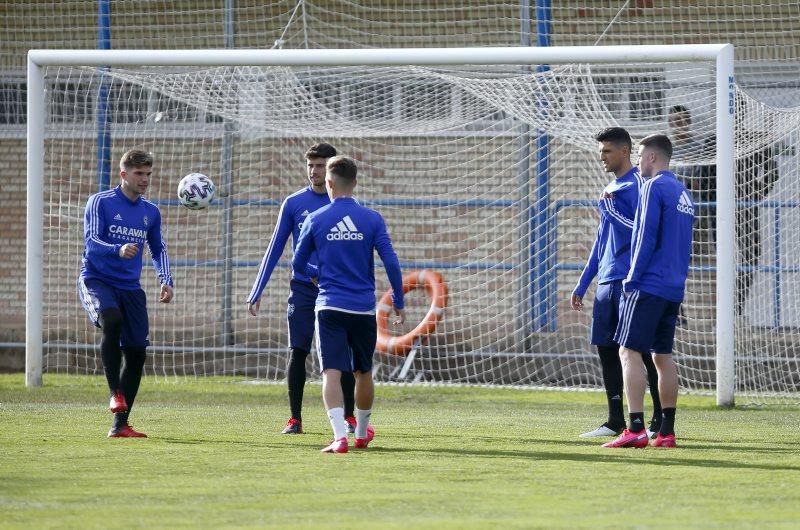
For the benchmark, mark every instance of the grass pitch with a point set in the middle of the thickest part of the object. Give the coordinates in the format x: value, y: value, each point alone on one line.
x: 442, y: 458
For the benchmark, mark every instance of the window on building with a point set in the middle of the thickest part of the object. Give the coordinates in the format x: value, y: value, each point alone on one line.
x: 13, y: 102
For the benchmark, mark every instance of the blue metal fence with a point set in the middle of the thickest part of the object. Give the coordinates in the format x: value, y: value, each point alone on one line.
x: 103, y: 116
x: 549, y: 266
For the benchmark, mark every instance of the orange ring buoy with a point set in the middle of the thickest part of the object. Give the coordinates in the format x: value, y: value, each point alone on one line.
x: 434, y: 285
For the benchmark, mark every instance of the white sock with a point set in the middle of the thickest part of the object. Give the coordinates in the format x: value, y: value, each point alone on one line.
x: 336, y: 415
x: 362, y: 422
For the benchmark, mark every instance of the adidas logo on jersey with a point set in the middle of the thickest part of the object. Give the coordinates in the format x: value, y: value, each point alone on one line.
x: 305, y: 213
x: 685, y: 204
x: 345, y: 230
x: 118, y: 217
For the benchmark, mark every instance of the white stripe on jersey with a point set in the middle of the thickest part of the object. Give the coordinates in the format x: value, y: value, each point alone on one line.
x: 263, y: 267
x: 332, y: 308
x: 644, y: 199
x: 163, y: 259
x: 94, y: 225
x: 165, y: 263
x: 614, y: 213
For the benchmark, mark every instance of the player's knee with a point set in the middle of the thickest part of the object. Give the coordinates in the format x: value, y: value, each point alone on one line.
x: 135, y: 356
x: 648, y: 359
x: 297, y: 355
x: 332, y: 373
x: 111, y: 320
x: 627, y: 355
x: 662, y: 360
x: 608, y: 353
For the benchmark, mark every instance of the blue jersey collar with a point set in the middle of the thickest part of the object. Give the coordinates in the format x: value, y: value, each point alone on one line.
x: 623, y: 182
x: 311, y: 189
x: 121, y: 194
x: 630, y: 174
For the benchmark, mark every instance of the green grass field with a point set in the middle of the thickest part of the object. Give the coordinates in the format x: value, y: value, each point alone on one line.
x: 443, y: 457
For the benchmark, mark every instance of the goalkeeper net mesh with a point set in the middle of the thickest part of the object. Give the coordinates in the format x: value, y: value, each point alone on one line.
x: 187, y: 136
x: 488, y: 175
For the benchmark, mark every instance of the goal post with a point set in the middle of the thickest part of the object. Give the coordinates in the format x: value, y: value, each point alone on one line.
x: 35, y: 231
x: 726, y: 261
x: 718, y: 56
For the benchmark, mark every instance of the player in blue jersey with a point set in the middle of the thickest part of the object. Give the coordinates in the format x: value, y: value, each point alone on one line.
x: 661, y: 248
x: 303, y: 293
x: 345, y: 236
x: 610, y: 259
x: 117, y: 224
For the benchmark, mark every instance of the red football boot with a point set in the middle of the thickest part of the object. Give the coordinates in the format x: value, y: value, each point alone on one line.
x: 293, y: 426
x: 125, y: 431
x: 336, y: 446
x: 351, y: 424
x: 667, y: 442
x: 362, y: 443
x: 117, y: 403
x: 627, y: 439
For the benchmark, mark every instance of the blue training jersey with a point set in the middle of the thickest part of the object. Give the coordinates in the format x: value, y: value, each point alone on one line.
x: 345, y: 236
x: 610, y: 257
x: 294, y: 211
x: 661, y: 246
x: 112, y: 220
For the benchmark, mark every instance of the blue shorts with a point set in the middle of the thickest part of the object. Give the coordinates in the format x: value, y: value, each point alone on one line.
x: 647, y: 322
x: 346, y: 340
x: 605, y: 313
x: 97, y: 296
x: 300, y: 314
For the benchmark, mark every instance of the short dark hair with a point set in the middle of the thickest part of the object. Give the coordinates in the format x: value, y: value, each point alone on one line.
x: 683, y: 111
x: 135, y: 158
x: 343, y: 167
x: 659, y: 142
x: 615, y: 135
x: 321, y: 150
x: 678, y: 109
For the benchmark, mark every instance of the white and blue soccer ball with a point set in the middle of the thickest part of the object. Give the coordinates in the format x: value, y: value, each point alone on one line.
x: 196, y: 191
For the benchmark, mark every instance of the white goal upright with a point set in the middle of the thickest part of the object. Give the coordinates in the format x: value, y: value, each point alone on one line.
x: 481, y: 159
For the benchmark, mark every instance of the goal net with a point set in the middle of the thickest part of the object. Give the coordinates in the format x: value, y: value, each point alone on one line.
x: 488, y: 175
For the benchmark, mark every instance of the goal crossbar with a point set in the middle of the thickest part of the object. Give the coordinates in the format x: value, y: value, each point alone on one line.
x: 385, y: 56
x: 721, y: 55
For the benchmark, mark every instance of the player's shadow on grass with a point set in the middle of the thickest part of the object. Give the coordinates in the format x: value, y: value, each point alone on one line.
x: 788, y: 446
x: 257, y: 444
x: 625, y: 456
x: 210, y: 441
x: 190, y: 441
x: 749, y: 449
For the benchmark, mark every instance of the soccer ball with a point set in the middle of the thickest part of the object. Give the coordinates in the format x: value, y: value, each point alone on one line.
x: 196, y: 191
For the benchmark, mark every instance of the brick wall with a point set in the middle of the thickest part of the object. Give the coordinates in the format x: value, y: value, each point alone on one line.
x: 12, y: 239
x: 481, y: 302
x: 762, y: 31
